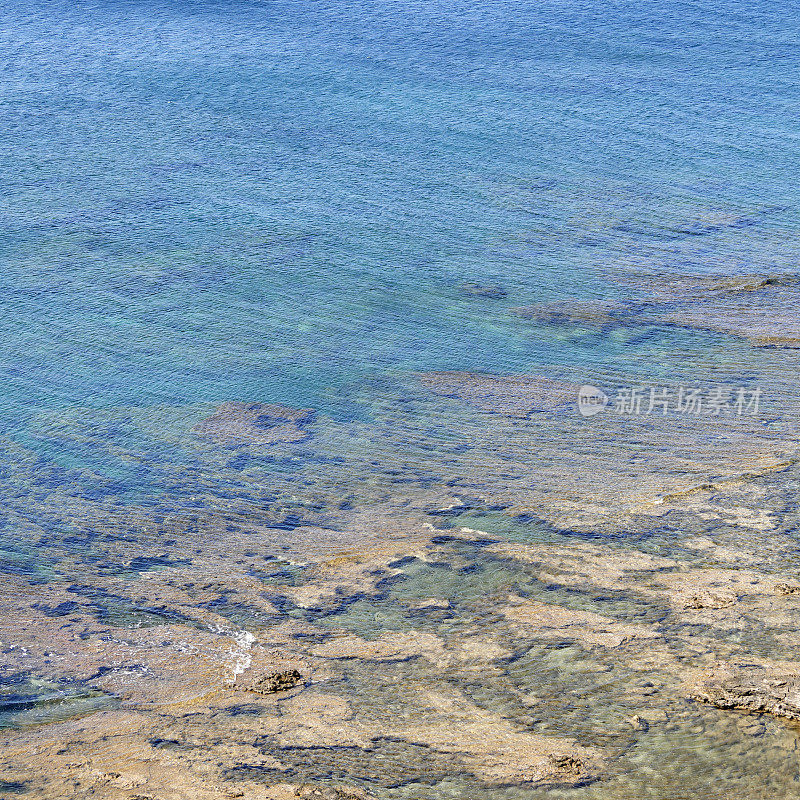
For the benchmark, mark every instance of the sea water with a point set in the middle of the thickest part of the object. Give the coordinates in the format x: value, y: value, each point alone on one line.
x: 287, y: 202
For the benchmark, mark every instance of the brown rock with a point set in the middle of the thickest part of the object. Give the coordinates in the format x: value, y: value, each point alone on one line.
x: 638, y: 723
x: 275, y: 682
x: 786, y: 589
x: 707, y: 599
x: 552, y: 621
x: 757, y: 688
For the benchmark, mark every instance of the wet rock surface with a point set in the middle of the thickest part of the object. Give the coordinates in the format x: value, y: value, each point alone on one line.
x: 553, y: 621
x: 274, y: 682
x: 579, y: 667
x: 756, y: 687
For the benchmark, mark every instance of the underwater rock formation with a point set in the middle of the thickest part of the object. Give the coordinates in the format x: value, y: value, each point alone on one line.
x: 556, y: 622
x: 509, y: 395
x: 759, y: 308
x: 255, y: 423
x: 597, y: 312
x: 480, y: 290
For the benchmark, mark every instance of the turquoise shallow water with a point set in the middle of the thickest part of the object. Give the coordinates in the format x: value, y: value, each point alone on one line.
x: 279, y: 201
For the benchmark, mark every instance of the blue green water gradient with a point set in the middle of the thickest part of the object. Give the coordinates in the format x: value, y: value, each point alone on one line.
x: 272, y: 200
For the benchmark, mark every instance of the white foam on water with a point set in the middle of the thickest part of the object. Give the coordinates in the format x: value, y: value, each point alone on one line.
x: 241, y: 653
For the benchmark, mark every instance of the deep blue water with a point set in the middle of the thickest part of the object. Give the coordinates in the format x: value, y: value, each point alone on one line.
x: 277, y: 200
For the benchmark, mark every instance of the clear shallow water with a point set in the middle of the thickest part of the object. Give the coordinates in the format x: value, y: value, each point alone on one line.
x: 25, y: 702
x: 278, y: 202
x: 281, y: 202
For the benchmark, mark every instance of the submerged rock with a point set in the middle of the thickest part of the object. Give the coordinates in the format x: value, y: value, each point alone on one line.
x: 759, y: 308
x: 332, y: 793
x: 400, y: 646
x: 496, y: 751
x: 510, y: 395
x: 255, y: 423
x: 708, y: 599
x: 287, y: 791
x: 389, y: 647
x: 772, y: 323
x: 752, y: 726
x: 597, y: 312
x: 557, y: 622
x: 491, y: 292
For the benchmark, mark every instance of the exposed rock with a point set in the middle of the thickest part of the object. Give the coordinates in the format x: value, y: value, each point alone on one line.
x: 274, y: 682
x: 255, y: 423
x: 704, y: 599
x: 639, y: 723
x: 786, y: 589
x: 755, y: 687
